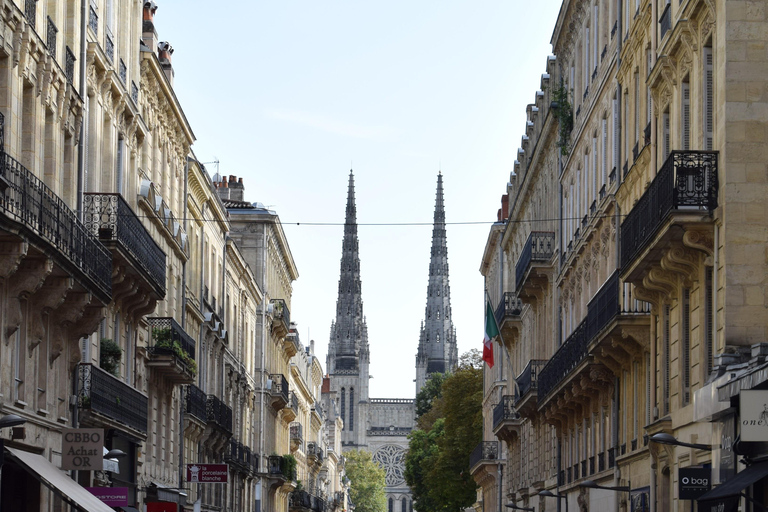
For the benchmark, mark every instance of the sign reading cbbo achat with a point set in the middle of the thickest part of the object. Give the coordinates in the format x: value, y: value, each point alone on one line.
x: 82, y: 449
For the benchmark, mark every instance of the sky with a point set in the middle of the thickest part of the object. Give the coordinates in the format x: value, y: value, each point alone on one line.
x: 290, y: 95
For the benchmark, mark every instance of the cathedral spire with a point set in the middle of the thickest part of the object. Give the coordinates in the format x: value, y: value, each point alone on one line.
x: 437, y: 341
x: 349, y: 334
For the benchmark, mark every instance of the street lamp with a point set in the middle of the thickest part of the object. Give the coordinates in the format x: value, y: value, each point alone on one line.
x: 591, y: 484
x: 515, y: 507
x: 9, y: 420
x: 114, y: 453
x: 669, y: 439
x: 549, y: 494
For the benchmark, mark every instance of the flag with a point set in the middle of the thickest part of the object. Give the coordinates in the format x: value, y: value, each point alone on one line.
x: 491, y: 331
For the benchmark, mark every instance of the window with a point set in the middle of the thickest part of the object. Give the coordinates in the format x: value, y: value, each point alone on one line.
x: 685, y: 337
x: 344, y: 408
x: 604, y: 145
x: 709, y: 97
x: 351, y: 409
x: 665, y: 149
x: 709, y: 321
x: 666, y: 355
x: 405, y: 505
x: 685, y: 115
x: 391, y: 505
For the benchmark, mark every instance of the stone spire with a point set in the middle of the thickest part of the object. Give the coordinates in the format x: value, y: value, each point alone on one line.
x: 437, y: 341
x: 349, y: 333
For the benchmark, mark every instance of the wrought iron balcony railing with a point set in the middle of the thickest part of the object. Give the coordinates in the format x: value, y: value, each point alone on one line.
x: 105, y: 394
x: 93, y: 20
x: 109, y: 217
x: 529, y: 377
x: 279, y: 389
x: 109, y: 47
x: 567, y: 357
x: 277, y: 467
x: 318, y: 408
x: 294, y: 403
x: 296, y: 431
x: 540, y: 247
x: 302, y: 500
x: 603, y: 307
x: 504, y: 410
x: 30, y: 12
x: 123, y: 72
x: 635, y: 151
x: 486, y: 450
x: 647, y: 134
x: 30, y: 203
x: 281, y: 315
x: 196, y: 403
x: 509, y: 305
x: 219, y: 413
x: 50, y: 40
x: 239, y: 455
x: 134, y: 92
x: 686, y: 182
x: 167, y: 337
x: 69, y: 65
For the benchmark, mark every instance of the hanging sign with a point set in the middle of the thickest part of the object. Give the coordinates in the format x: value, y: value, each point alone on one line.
x: 82, y: 449
x: 207, y: 473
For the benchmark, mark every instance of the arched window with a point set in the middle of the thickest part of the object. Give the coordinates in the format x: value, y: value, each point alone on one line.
x: 351, y: 409
x: 405, y: 505
x: 391, y: 505
x: 343, y: 407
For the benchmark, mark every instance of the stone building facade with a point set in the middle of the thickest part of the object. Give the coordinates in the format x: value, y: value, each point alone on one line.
x: 638, y: 310
x: 381, y: 425
x: 130, y: 302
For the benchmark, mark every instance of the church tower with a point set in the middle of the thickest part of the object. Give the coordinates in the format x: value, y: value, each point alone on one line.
x: 437, y: 341
x: 348, y: 353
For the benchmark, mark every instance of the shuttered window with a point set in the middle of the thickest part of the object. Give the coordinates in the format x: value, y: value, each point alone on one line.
x: 666, y: 356
x: 709, y: 97
x: 685, y: 350
x: 685, y: 115
x: 665, y: 135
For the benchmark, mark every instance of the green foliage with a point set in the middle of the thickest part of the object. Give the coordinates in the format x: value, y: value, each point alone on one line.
x: 437, y: 463
x: 429, y: 392
x: 288, y: 466
x: 110, y: 355
x: 563, y: 112
x: 163, y: 339
x: 367, y: 482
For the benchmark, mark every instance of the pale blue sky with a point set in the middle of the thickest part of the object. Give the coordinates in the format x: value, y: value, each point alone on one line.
x: 287, y: 94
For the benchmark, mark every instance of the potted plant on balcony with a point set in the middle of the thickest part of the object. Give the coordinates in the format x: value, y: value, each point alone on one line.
x: 110, y: 355
x: 289, y: 466
x: 563, y: 112
x: 164, y: 340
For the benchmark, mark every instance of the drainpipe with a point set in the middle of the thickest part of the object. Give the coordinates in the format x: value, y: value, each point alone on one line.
x: 263, y: 355
x: 501, y: 480
x: 81, y: 163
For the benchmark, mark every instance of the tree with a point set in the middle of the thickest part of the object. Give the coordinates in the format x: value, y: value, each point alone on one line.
x: 367, y: 482
x: 471, y: 359
x: 431, y: 390
x: 422, y: 455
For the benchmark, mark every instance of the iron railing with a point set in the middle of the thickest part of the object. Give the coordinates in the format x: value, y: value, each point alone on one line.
x: 196, y: 402
x: 486, y: 450
x: 612, y: 176
x: 30, y: 12
x: 218, y: 413
x: 540, y: 247
x: 294, y: 403
x: 509, y: 305
x: 281, y: 313
x: 93, y: 20
x: 602, y: 192
x: 279, y: 386
x: 105, y: 394
x: 603, y: 53
x: 69, y: 65
x: 603, y: 307
x: 635, y: 151
x: 647, y: 134
x: 615, y: 27
x: 123, y: 72
x: 687, y: 181
x: 665, y: 22
x: 529, y: 377
x: 30, y: 202
x: 108, y: 217
x: 318, y: 408
x: 165, y: 333
x: 296, y: 431
x: 50, y: 39
x: 504, y: 410
x: 134, y: 92
x: 278, y: 467
x: 303, y: 500
x: 239, y: 455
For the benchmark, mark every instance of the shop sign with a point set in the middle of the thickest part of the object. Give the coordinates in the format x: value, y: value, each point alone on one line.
x: 727, y: 456
x: 693, y: 482
x: 111, y: 496
x: 162, y: 506
x: 754, y: 415
x: 207, y: 473
x: 82, y: 449
x: 730, y: 504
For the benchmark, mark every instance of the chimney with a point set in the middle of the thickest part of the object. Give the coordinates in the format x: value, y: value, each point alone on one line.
x: 164, y: 52
x: 148, y: 32
x: 223, y: 190
x: 311, y: 343
x: 504, y: 207
x: 237, y: 189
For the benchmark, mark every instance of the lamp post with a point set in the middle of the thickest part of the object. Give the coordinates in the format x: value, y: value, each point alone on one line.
x: 9, y: 420
x: 516, y: 507
x: 549, y: 494
x: 669, y: 439
x: 591, y: 484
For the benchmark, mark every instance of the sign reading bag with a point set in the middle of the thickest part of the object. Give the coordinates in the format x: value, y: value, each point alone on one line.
x: 82, y: 448
x: 693, y: 482
x: 753, y: 409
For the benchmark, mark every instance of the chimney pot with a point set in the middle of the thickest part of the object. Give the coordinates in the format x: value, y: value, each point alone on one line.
x: 240, y: 180
x: 232, y: 177
x: 225, y: 184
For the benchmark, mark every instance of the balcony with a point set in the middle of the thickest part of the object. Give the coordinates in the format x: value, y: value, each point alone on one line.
x: 281, y: 317
x: 195, y: 403
x: 314, y: 452
x: 279, y: 391
x: 291, y: 344
x: 534, y: 264
x: 171, y: 351
x: 111, y: 400
x: 506, y: 420
x: 683, y: 193
x: 570, y: 354
x: 317, y: 408
x: 508, y: 315
x: 108, y: 217
x: 647, y: 134
x: 528, y: 384
x: 278, y: 468
x: 34, y: 212
x: 302, y: 501
x: 219, y: 414
x: 239, y: 456
x: 290, y: 412
x: 297, y: 436
x: 484, y: 456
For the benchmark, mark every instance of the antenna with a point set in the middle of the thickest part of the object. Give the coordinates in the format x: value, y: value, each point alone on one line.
x: 215, y: 161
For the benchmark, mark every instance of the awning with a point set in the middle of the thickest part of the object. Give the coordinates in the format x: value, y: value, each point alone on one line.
x: 728, y: 493
x: 58, y: 481
x: 127, y: 509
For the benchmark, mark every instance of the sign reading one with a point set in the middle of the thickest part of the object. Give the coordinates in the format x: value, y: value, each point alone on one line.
x: 207, y: 473
x: 82, y: 448
x: 753, y: 408
x: 111, y: 496
x: 693, y: 482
